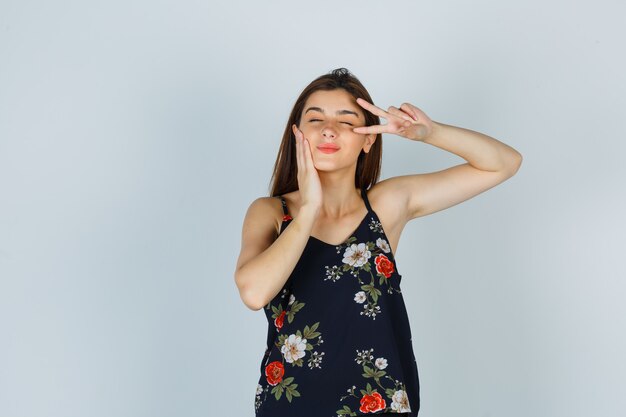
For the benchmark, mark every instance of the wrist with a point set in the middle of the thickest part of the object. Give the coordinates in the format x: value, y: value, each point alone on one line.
x: 436, y: 132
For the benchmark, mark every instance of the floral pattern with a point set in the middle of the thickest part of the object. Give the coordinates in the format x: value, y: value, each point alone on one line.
x: 293, y: 348
x: 395, y: 399
x: 356, y: 261
x: 368, y: 259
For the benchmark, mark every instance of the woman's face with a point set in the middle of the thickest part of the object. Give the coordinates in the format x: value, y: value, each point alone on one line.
x: 327, y: 119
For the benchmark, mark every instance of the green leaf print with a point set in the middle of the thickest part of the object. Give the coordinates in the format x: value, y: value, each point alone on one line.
x: 310, y: 333
x: 371, y: 373
x: 295, y: 347
x: 360, y: 258
x: 293, y: 310
x: 370, y: 400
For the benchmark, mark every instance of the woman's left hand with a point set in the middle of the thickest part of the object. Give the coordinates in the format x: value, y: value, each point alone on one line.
x: 408, y: 121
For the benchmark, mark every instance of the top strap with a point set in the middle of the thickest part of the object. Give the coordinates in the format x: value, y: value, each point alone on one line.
x: 364, y: 196
x: 286, y: 215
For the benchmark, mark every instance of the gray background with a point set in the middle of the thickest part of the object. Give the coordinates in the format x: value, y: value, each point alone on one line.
x: 135, y: 134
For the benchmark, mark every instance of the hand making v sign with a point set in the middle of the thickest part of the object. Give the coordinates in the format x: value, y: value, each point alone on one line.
x: 407, y: 121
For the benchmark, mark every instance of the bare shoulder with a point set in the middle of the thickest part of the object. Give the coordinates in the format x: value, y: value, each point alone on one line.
x: 260, y: 228
x: 268, y: 208
x: 389, y: 202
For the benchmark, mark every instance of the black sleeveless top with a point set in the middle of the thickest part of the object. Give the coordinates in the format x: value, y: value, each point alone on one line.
x: 339, y: 340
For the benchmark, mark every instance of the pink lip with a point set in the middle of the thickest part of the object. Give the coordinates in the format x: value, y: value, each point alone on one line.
x: 328, y: 149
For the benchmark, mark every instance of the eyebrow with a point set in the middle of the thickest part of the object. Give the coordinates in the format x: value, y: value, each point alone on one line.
x: 339, y: 112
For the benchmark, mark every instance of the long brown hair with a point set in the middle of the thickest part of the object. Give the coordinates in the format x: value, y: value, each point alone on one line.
x: 284, y: 178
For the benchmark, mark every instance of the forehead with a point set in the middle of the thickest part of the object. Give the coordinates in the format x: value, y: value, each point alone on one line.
x: 332, y: 101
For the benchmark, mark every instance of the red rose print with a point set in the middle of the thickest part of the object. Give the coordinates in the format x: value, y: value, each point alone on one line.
x: 278, y: 321
x: 287, y: 217
x: 384, y: 265
x: 274, y: 372
x: 372, y: 403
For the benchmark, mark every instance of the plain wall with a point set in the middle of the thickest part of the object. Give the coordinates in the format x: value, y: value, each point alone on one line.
x: 135, y: 134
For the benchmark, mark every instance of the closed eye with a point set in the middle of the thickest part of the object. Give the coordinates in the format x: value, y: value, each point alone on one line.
x: 318, y: 120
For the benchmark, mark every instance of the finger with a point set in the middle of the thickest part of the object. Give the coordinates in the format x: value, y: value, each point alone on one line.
x: 298, y: 150
x: 372, y: 108
x: 399, y: 113
x: 308, y: 158
x: 410, y: 110
x: 303, y: 161
x: 372, y: 129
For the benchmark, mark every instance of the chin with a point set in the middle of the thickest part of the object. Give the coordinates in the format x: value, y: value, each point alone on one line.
x: 324, y: 167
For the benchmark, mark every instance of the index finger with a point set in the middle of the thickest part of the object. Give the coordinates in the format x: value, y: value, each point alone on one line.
x: 373, y: 109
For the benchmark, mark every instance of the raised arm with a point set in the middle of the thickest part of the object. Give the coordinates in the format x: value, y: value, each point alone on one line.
x: 489, y: 161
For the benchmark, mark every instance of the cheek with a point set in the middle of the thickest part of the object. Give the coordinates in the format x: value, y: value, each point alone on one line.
x: 306, y: 130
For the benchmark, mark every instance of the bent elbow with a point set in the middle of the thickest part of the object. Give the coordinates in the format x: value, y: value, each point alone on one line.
x: 252, y: 301
x: 250, y: 298
x: 513, y: 165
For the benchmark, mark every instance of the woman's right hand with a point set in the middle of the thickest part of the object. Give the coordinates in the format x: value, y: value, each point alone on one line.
x: 308, y: 179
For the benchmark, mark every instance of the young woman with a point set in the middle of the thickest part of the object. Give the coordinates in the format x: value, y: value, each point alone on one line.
x: 318, y: 255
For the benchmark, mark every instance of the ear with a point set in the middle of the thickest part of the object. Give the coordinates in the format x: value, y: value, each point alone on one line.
x: 369, y: 142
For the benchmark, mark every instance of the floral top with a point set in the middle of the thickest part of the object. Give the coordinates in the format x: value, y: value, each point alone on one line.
x: 339, y: 341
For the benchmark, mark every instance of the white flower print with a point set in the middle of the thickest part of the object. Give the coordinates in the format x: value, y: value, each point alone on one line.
x: 375, y: 225
x: 333, y: 273
x: 360, y: 297
x: 356, y: 255
x: 259, y: 389
x: 356, y: 262
x: 400, y: 402
x: 381, y: 363
x: 363, y: 356
x: 370, y: 310
x: 382, y: 243
x: 316, y: 359
x: 294, y: 348
x: 396, y: 393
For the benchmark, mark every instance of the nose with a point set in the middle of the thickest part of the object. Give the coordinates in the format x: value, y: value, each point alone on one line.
x: 328, y: 132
